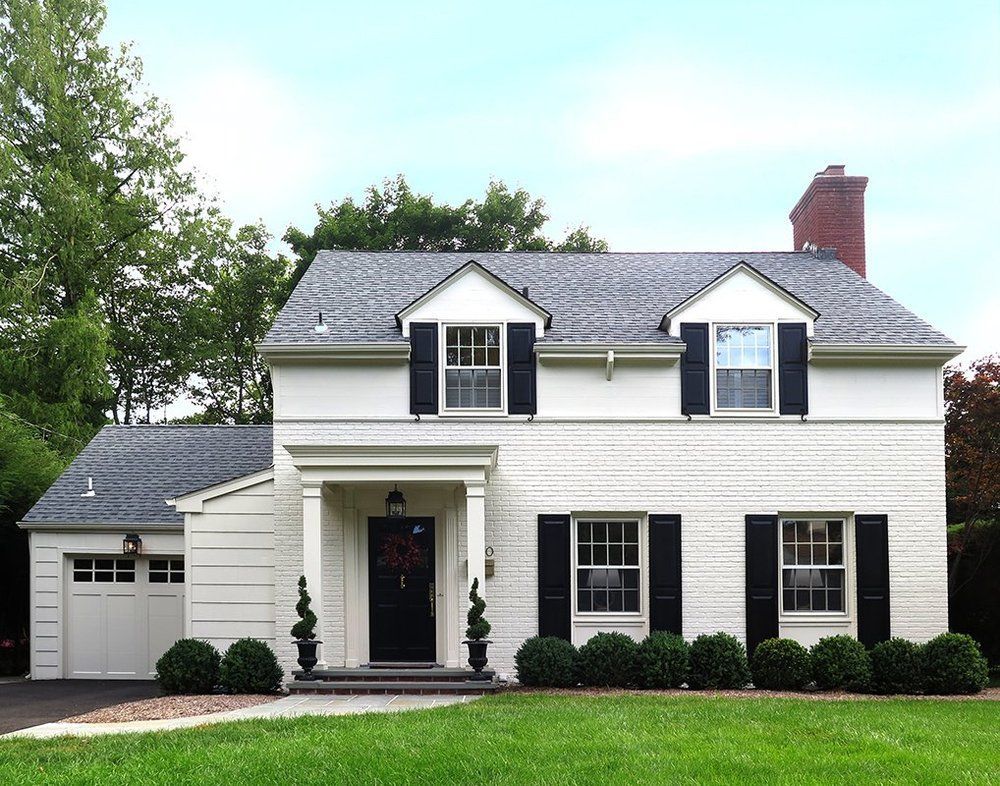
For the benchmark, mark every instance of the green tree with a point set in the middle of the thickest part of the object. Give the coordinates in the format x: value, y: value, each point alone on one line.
x: 394, y: 218
x: 92, y: 183
x: 239, y: 298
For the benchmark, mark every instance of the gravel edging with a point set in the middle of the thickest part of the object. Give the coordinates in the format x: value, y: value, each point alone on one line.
x: 169, y: 707
x: 987, y: 694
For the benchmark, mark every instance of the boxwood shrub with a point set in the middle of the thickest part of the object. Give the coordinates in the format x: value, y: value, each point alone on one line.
x: 189, y: 666
x: 546, y: 661
x: 249, y: 666
x: 718, y: 661
x: 897, y: 667
x: 840, y: 662
x: 664, y: 660
x: 608, y: 660
x: 953, y: 663
x: 780, y: 664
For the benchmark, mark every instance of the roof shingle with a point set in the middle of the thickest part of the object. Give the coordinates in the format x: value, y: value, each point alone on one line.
x: 136, y: 468
x: 593, y: 298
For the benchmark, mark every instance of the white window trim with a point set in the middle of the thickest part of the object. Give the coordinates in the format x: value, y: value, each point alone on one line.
x: 608, y: 616
x: 807, y: 617
x: 713, y: 375
x: 461, y: 412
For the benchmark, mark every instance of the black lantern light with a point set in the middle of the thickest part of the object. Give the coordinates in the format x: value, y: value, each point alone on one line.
x: 395, y: 504
x: 132, y: 544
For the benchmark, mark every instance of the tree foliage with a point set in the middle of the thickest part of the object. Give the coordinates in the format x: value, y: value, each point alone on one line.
x: 240, y: 294
x: 394, y: 218
x: 972, y: 450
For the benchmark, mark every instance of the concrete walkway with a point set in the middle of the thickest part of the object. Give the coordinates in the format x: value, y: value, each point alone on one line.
x: 286, y: 707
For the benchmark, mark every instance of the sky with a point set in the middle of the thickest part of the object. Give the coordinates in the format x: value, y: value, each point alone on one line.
x: 663, y: 126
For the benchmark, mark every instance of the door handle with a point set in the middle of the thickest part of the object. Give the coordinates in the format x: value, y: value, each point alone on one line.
x: 431, y: 598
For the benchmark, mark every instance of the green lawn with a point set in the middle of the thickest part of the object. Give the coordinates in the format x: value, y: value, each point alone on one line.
x: 553, y: 739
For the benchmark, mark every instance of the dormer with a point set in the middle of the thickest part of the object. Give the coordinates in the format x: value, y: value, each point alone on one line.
x: 746, y: 346
x: 472, y: 342
x: 473, y: 295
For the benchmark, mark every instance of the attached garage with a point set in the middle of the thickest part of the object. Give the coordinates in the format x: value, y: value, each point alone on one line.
x: 122, y: 614
x: 111, y: 562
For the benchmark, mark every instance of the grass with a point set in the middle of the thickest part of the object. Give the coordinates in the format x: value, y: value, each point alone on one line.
x: 552, y: 739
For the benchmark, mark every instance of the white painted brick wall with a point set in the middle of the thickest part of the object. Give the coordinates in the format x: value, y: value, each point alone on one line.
x: 711, y: 472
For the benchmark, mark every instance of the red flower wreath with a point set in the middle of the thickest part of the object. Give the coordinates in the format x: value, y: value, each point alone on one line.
x: 401, y: 552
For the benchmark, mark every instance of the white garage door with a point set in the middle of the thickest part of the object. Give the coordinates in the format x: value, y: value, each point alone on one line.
x: 124, y: 612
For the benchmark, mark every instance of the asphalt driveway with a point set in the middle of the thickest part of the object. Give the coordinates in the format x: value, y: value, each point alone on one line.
x: 24, y: 704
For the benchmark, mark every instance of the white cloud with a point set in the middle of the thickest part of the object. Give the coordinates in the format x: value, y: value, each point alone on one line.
x: 980, y: 329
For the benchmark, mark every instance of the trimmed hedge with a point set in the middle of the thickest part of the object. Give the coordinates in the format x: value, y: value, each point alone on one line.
x: 249, y: 666
x: 954, y: 663
x: 608, y: 660
x: 189, y: 666
x: 897, y: 667
x: 718, y: 660
x: 780, y: 664
x: 546, y: 661
x: 840, y: 662
x: 664, y: 660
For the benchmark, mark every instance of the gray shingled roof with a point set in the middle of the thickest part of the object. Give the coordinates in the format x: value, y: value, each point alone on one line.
x: 613, y: 298
x: 136, y: 468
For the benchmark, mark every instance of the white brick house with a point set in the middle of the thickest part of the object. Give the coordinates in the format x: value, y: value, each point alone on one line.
x: 693, y: 442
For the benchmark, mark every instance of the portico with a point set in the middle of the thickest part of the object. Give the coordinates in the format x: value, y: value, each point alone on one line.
x: 390, y: 596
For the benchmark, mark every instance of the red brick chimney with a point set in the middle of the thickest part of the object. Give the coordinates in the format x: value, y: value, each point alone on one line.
x: 831, y: 214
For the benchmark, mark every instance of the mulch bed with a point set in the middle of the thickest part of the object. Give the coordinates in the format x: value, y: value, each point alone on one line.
x: 169, y: 707
x: 988, y: 694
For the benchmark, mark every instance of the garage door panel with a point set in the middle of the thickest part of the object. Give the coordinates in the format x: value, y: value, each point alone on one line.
x: 86, y: 634
x: 166, y: 614
x: 122, y: 642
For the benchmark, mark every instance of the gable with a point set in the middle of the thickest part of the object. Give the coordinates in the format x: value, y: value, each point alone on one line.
x: 741, y: 294
x: 473, y: 294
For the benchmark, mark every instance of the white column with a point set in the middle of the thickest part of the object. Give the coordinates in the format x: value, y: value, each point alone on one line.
x: 312, y: 554
x: 475, y: 524
x: 450, y: 587
x: 352, y: 604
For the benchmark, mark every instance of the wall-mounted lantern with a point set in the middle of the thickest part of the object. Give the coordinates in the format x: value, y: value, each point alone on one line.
x: 132, y: 544
x: 395, y: 504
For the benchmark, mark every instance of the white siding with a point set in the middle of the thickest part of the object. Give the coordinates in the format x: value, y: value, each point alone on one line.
x: 231, y: 570
x: 48, y: 592
x: 883, y: 390
x: 638, y: 388
x: 314, y: 389
x: 711, y: 472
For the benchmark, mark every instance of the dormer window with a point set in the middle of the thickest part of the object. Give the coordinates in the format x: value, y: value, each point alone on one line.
x: 472, y: 367
x: 744, y: 363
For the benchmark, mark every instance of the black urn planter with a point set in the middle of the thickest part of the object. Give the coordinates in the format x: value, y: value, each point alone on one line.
x: 307, y: 656
x: 477, y: 656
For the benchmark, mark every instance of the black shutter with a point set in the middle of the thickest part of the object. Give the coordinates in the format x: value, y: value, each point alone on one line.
x: 665, y: 572
x: 871, y: 534
x: 762, y: 579
x: 423, y: 368
x: 553, y: 576
x: 793, y: 370
x: 695, y: 369
x: 521, y: 369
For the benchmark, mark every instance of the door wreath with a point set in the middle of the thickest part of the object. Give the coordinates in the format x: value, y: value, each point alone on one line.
x: 400, y: 552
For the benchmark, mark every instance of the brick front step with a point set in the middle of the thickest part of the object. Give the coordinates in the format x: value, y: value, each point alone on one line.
x: 381, y: 675
x: 409, y: 687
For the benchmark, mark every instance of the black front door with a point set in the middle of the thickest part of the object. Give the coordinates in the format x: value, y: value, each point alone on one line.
x: 401, y: 589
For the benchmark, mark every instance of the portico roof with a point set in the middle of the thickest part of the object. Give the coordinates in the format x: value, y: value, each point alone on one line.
x: 394, y: 463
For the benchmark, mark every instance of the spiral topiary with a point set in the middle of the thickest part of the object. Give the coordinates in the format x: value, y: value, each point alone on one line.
x: 305, y: 628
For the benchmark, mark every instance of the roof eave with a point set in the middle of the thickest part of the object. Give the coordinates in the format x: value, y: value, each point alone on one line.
x: 371, y: 351
x: 938, y: 353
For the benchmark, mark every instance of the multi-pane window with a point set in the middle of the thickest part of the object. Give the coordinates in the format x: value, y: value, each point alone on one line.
x: 607, y: 562
x: 743, y: 367
x: 118, y: 571
x: 472, y: 368
x: 812, y: 565
x: 164, y: 571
